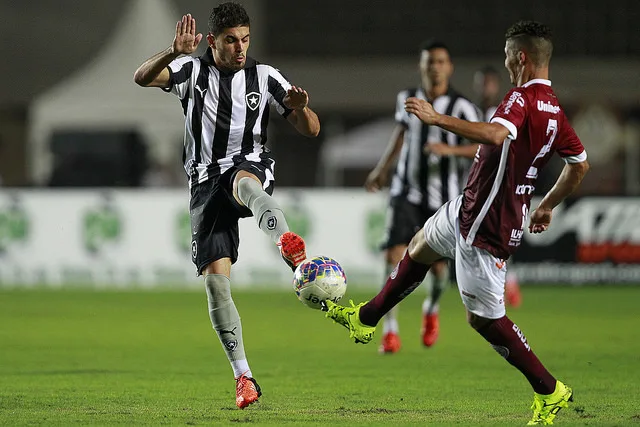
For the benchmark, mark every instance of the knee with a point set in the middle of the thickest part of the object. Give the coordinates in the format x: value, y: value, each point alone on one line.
x: 476, y: 321
x: 218, y: 287
x: 245, y: 184
x: 420, y: 251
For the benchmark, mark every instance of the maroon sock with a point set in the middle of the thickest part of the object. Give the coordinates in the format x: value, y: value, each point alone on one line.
x: 407, y: 276
x: 509, y: 341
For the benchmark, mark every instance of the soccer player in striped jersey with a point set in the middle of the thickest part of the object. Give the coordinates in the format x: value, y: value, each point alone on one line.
x: 225, y: 97
x: 484, y: 226
x: 430, y: 170
x: 486, y: 85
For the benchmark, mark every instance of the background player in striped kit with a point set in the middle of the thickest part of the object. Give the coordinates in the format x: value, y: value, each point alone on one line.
x: 225, y: 97
x: 486, y: 85
x: 429, y: 172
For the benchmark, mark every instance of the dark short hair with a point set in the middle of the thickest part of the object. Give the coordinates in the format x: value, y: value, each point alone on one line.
x: 227, y: 15
x: 529, y: 29
x: 434, y: 44
x: 534, y: 38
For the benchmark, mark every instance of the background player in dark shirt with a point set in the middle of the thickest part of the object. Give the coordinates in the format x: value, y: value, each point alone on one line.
x: 481, y: 228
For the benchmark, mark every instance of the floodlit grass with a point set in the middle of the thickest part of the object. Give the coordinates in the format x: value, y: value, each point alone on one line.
x: 76, y: 357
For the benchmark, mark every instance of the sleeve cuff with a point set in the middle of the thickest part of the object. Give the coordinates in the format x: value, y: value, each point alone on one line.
x: 576, y: 159
x: 513, y: 130
x: 170, y: 88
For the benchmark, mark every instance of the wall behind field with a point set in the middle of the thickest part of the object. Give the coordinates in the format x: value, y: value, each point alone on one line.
x: 125, y: 238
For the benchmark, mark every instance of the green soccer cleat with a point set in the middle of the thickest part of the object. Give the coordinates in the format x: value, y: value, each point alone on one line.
x: 546, y: 406
x: 349, y: 318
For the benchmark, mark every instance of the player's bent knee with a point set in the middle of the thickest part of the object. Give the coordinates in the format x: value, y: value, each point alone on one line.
x: 420, y: 251
x: 219, y: 266
x: 218, y: 287
x: 240, y: 184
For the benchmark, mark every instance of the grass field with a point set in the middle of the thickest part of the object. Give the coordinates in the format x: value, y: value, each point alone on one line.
x: 148, y: 358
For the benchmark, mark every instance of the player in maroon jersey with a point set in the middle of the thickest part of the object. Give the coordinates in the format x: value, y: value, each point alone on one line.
x: 482, y: 227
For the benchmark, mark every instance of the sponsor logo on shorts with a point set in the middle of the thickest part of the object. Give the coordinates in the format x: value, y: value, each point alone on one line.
x: 468, y: 295
x: 194, y: 249
x: 272, y: 222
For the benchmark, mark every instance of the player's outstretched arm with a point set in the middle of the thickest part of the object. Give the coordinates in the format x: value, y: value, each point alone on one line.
x: 154, y: 72
x: 568, y: 181
x: 442, y: 149
x: 484, y: 133
x: 379, y: 176
x: 303, y: 118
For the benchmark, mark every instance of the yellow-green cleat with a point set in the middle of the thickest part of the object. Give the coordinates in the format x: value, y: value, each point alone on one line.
x: 546, y: 406
x: 350, y: 319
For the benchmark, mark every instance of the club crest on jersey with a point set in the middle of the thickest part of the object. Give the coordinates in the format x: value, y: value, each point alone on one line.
x: 253, y: 100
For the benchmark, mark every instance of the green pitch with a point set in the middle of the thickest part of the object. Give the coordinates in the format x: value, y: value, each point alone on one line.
x: 142, y: 357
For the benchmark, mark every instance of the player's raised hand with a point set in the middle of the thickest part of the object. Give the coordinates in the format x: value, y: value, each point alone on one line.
x: 186, y: 41
x: 376, y: 179
x: 540, y: 220
x: 422, y: 109
x: 296, y: 98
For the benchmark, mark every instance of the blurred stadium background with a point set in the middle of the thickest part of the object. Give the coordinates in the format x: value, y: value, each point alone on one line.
x: 92, y: 188
x: 93, y: 199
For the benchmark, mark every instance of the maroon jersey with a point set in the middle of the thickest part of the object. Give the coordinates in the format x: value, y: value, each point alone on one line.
x: 495, y: 204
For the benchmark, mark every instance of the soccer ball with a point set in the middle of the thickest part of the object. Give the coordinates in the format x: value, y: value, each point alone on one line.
x: 318, y: 279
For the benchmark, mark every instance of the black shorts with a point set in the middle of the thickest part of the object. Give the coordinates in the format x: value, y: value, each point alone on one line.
x: 215, y: 213
x: 404, y: 219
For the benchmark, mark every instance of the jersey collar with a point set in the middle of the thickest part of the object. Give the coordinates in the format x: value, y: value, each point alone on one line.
x: 537, y: 81
x: 450, y: 92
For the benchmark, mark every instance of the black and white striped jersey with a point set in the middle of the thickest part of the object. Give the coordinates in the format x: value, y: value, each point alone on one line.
x: 226, y: 113
x: 429, y: 179
x: 489, y: 112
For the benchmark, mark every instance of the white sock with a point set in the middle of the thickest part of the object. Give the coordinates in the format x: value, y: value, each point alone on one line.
x: 428, y: 308
x: 241, y: 367
x: 226, y: 322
